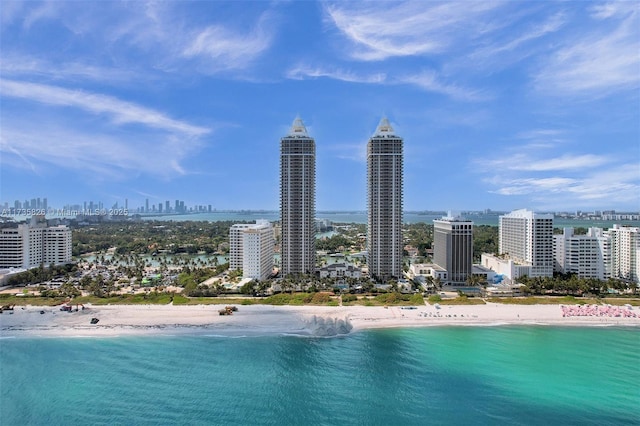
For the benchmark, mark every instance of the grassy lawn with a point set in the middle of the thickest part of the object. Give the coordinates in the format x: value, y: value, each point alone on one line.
x: 462, y: 300
x: 31, y: 300
x: 620, y: 301
x: 385, y: 299
x: 315, y: 299
x: 544, y: 300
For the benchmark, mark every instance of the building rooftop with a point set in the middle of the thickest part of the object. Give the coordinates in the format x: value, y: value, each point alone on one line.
x: 298, y: 129
x: 384, y: 129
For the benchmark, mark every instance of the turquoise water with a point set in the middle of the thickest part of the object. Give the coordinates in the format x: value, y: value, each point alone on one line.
x: 361, y: 217
x: 462, y: 376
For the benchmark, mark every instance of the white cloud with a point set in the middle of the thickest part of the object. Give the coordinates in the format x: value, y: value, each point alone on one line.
x: 96, y: 154
x: 221, y: 48
x: 173, y: 37
x: 620, y: 186
x: 381, y: 30
x: 575, y: 181
x: 302, y: 72
x: 134, y: 139
x: 23, y: 65
x: 42, y: 11
x: 121, y: 112
x: 182, y: 45
x: 350, y: 151
x: 530, y: 186
x: 430, y: 82
x: 551, y: 25
x: 523, y: 162
x: 604, y: 60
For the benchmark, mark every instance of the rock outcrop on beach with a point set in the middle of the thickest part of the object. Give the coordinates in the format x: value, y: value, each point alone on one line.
x: 328, y: 326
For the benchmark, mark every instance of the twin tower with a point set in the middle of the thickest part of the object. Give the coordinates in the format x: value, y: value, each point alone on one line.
x: 384, y: 202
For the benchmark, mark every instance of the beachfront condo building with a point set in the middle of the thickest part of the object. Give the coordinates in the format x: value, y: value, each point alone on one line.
x: 257, y: 247
x: 625, y: 253
x: 453, y: 248
x: 236, y: 245
x: 384, y: 203
x: 586, y: 256
x: 297, y: 201
x: 31, y: 245
x: 527, y: 238
x: 251, y: 248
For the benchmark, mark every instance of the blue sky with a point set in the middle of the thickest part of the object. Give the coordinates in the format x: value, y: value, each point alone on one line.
x: 501, y: 105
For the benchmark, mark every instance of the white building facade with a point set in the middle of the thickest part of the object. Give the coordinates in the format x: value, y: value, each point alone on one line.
x: 251, y: 248
x: 34, y: 244
x: 625, y: 253
x: 384, y: 203
x: 236, y: 245
x: 257, y: 245
x: 505, y: 267
x: 527, y: 238
x: 340, y: 270
x: 587, y: 256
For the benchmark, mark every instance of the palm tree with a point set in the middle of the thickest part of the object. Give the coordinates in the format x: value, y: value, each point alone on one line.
x: 438, y: 283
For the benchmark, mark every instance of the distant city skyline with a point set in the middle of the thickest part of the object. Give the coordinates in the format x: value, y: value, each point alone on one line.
x: 501, y: 105
x: 201, y: 207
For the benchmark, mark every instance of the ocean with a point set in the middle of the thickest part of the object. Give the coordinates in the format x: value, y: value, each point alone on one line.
x: 503, y: 375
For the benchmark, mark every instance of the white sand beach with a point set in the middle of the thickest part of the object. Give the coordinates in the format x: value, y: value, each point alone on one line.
x: 115, y: 320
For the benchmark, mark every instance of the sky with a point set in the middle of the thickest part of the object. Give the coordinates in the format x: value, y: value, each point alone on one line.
x: 501, y: 105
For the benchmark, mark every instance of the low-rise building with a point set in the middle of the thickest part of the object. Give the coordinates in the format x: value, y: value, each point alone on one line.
x: 421, y: 271
x: 340, y: 270
x: 502, y: 265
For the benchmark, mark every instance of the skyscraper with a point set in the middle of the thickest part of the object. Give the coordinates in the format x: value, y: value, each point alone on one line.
x: 527, y: 238
x: 384, y: 202
x: 453, y: 247
x: 298, y: 201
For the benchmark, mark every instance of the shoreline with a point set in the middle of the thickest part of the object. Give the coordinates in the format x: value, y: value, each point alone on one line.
x: 262, y: 320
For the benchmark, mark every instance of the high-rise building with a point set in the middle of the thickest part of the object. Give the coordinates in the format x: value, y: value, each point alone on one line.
x: 298, y: 201
x: 257, y: 251
x: 453, y: 247
x: 251, y: 248
x: 625, y: 252
x: 30, y: 245
x: 384, y: 203
x: 236, y: 245
x: 587, y: 256
x: 527, y: 238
